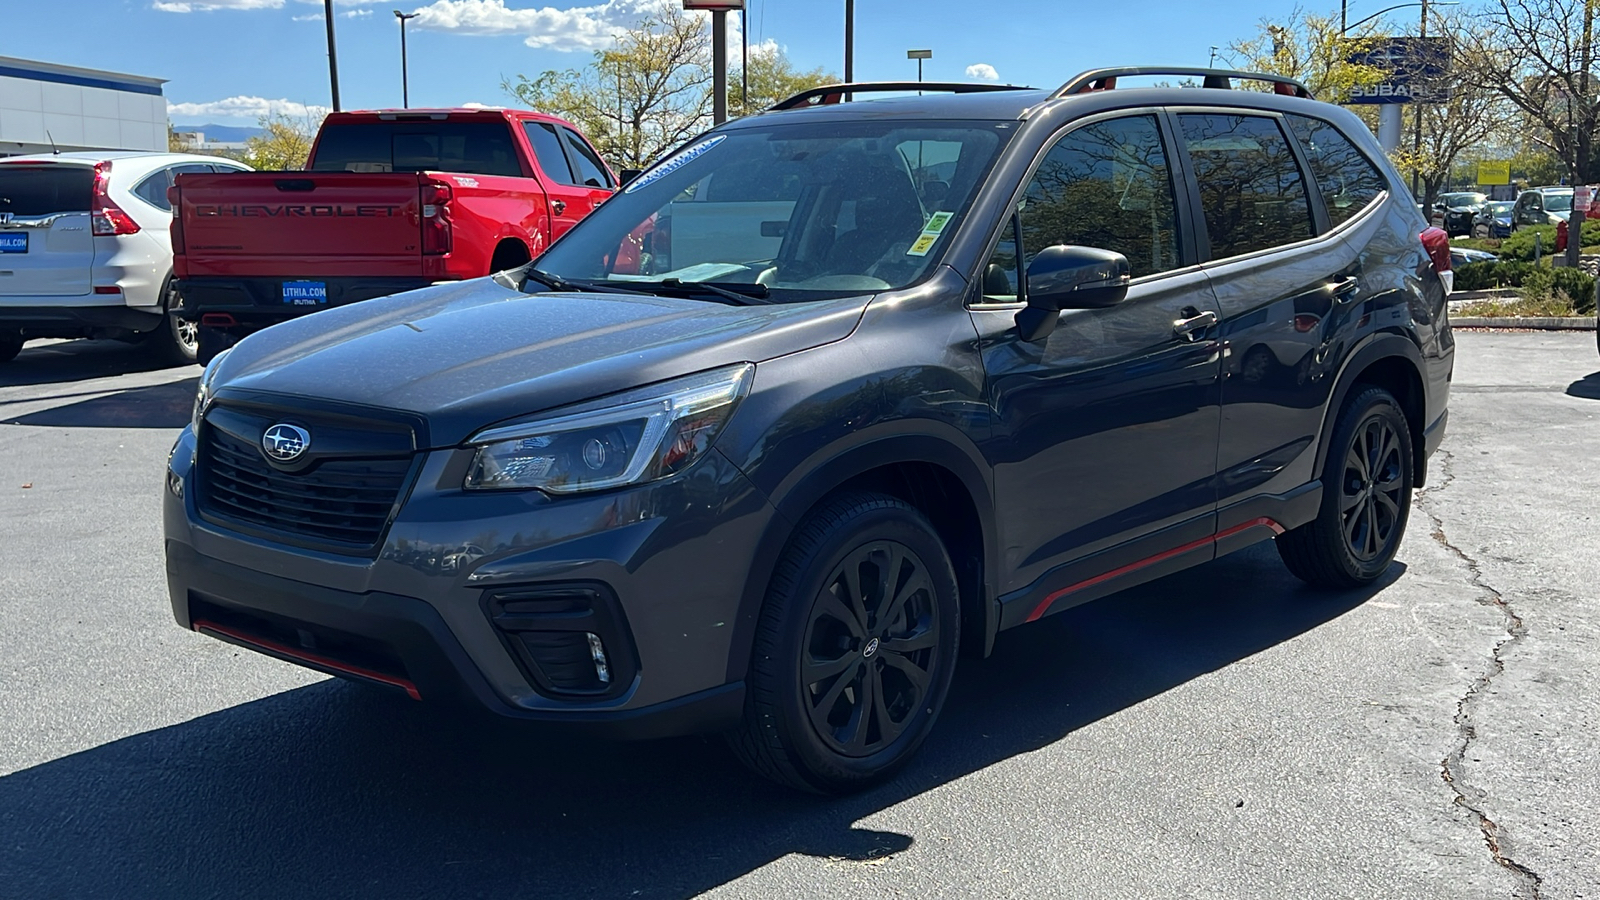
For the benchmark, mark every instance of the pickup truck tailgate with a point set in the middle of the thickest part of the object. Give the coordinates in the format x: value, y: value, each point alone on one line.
x: 299, y: 224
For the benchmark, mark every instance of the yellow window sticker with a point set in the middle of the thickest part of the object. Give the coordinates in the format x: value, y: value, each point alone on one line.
x: 922, y: 244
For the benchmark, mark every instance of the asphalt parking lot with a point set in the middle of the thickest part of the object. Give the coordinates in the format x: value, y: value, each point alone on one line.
x: 1220, y: 733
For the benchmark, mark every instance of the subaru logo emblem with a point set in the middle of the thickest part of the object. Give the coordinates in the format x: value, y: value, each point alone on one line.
x: 5, y: 218
x: 871, y: 648
x: 284, y: 442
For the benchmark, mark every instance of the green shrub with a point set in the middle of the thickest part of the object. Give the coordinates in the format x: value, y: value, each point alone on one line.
x: 1576, y: 284
x: 1520, y: 244
x: 1492, y: 245
x: 1482, y: 276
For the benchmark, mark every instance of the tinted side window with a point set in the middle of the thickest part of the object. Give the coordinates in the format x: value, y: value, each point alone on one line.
x: 591, y: 171
x: 153, y: 189
x: 1105, y: 185
x: 547, y: 149
x: 1347, y: 180
x: 1250, y: 187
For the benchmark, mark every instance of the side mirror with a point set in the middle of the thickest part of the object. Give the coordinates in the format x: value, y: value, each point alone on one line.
x: 1065, y: 277
x: 627, y: 175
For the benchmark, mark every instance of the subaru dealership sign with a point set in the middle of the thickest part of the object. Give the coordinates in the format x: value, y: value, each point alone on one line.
x: 1416, y: 70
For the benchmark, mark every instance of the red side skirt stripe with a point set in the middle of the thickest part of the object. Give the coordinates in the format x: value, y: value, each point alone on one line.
x: 1044, y: 605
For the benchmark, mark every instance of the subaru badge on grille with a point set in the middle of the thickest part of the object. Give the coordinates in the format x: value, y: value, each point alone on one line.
x: 284, y: 442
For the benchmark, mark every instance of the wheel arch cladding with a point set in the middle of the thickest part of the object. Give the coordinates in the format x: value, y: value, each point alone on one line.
x: 936, y: 479
x: 1379, y: 365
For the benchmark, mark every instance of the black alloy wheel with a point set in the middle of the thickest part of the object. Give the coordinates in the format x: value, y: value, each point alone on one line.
x: 855, y: 647
x: 1369, y: 500
x: 871, y: 648
x: 1366, y: 497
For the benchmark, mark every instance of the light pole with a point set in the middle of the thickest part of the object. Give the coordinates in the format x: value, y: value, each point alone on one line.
x: 719, y: 10
x: 1213, y: 60
x: 333, y: 55
x: 919, y: 56
x: 849, y: 41
x: 405, y: 88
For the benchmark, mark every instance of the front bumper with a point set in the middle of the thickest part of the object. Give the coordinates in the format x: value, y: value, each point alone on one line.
x: 425, y: 614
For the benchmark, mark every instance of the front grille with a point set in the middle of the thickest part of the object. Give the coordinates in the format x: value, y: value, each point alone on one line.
x: 342, y: 502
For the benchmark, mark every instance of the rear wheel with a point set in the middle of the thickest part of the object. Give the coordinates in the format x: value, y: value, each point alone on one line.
x: 176, y: 341
x: 1366, y: 498
x: 1480, y: 231
x: 854, y: 650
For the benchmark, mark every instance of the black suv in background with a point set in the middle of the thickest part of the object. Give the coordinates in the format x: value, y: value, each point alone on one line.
x: 827, y: 398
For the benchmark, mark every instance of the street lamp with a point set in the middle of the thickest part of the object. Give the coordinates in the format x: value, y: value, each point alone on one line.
x: 405, y: 88
x: 333, y: 53
x: 1343, y: 28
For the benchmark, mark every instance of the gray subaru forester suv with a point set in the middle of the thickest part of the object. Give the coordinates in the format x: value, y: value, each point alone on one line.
x: 826, y: 399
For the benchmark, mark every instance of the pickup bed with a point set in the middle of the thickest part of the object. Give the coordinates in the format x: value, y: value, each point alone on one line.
x: 389, y: 201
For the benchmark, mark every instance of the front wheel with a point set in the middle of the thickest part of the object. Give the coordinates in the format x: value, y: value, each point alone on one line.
x: 1366, y: 498
x: 1481, y: 232
x: 854, y: 650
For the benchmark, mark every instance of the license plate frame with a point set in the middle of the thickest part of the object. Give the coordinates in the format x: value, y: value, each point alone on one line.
x: 305, y: 293
x: 13, y: 242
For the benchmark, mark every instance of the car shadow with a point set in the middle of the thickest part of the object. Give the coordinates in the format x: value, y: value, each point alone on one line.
x: 59, y: 362
x: 154, y: 406
x: 1587, y: 387
x: 335, y: 790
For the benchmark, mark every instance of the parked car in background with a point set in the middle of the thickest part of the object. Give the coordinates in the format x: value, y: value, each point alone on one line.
x: 1546, y: 206
x: 1460, y: 256
x: 1459, y: 208
x: 1494, y: 220
x: 85, y: 248
x: 902, y: 374
x: 390, y: 200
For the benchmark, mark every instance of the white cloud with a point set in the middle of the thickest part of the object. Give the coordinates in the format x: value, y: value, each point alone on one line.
x: 183, y: 6
x: 983, y: 71
x: 347, y: 14
x: 584, y: 28
x: 768, y: 47
x: 243, y: 107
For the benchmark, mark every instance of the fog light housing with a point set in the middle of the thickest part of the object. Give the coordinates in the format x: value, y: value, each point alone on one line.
x: 597, y: 649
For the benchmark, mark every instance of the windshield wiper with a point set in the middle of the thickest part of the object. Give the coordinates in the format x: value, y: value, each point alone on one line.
x: 745, y: 295
x: 556, y: 283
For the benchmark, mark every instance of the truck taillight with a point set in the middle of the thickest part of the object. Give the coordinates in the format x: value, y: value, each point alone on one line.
x: 105, y: 216
x: 175, y: 200
x: 436, y: 237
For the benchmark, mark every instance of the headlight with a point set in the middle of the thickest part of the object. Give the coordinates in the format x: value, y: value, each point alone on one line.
x: 202, y: 395
x: 626, y: 439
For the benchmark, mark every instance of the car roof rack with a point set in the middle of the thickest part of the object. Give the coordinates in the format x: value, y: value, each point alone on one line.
x: 1106, y: 79
x: 835, y: 93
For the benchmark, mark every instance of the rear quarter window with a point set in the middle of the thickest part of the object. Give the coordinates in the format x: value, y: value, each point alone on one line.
x: 27, y: 192
x: 1347, y: 180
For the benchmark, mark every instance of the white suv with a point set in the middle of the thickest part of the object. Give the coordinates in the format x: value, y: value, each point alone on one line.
x: 86, y: 248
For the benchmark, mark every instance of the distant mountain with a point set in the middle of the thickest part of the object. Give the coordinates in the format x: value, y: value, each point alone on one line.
x: 222, y: 134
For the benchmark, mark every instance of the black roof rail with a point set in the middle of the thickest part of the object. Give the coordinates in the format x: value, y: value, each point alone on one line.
x: 835, y: 93
x: 1106, y: 79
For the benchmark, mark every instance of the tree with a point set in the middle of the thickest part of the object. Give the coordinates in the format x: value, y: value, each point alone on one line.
x: 773, y: 78
x: 640, y: 99
x: 1539, y: 55
x: 284, y: 144
x: 177, y: 141
x: 1310, y: 49
x: 652, y: 91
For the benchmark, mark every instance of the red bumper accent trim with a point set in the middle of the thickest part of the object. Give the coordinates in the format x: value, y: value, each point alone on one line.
x: 314, y: 660
x: 1045, y: 604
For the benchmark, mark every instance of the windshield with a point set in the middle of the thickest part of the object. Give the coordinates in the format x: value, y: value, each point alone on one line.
x: 366, y: 145
x: 31, y: 191
x: 1464, y: 199
x: 1561, y: 202
x: 796, y: 211
x: 1501, y: 207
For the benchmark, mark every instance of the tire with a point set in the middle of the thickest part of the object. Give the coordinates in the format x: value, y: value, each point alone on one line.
x: 1481, y: 232
x: 809, y: 734
x: 176, y: 341
x: 1366, y: 498
x: 10, y: 346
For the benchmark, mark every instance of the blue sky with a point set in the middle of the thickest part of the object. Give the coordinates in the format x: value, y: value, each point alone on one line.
x: 228, y: 60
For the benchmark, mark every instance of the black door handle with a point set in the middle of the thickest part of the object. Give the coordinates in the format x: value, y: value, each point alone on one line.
x: 558, y: 206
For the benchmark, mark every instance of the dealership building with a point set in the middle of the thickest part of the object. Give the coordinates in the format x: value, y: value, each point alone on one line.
x: 44, y: 104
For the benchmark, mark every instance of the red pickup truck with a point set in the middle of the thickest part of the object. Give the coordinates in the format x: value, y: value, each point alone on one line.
x: 390, y: 200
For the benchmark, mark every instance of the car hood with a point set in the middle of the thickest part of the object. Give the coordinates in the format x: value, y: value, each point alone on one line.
x: 467, y: 356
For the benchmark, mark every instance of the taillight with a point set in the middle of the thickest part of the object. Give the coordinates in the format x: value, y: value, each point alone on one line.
x: 436, y: 236
x: 1437, y: 243
x: 106, y: 218
x: 175, y: 200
